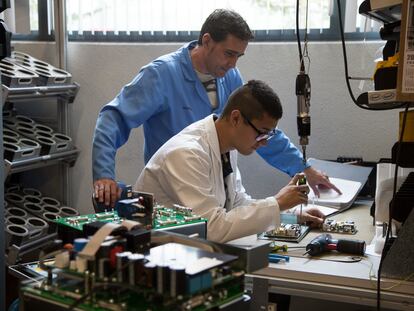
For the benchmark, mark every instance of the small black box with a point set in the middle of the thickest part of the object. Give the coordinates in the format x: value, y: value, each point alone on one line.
x: 138, y: 240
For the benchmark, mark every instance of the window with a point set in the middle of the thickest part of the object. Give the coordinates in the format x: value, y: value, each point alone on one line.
x: 34, y: 16
x: 180, y: 20
x: 30, y: 19
x: 358, y: 26
x: 177, y: 19
x: 187, y: 15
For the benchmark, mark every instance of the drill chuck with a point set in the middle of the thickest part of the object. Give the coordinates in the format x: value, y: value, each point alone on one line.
x: 314, y: 248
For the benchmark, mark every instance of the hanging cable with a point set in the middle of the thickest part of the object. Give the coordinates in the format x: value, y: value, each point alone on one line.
x: 305, y: 40
x: 302, y: 67
x: 302, y: 54
x: 303, y: 90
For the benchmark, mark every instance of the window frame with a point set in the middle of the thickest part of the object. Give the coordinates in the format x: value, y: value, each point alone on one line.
x: 276, y: 35
x: 45, y: 33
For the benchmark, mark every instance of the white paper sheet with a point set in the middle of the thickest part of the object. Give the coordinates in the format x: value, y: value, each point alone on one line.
x: 331, y: 198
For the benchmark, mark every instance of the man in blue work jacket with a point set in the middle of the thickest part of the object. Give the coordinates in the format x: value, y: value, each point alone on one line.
x: 178, y: 89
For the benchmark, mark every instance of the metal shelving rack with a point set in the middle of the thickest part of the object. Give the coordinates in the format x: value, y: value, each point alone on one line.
x: 61, y: 96
x: 2, y: 222
x: 65, y: 94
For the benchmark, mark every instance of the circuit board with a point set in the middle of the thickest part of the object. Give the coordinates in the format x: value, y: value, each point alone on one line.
x: 170, y: 217
x: 171, y: 277
x: 163, y: 218
x: 77, y: 222
x: 334, y: 226
x: 286, y: 232
x: 228, y: 291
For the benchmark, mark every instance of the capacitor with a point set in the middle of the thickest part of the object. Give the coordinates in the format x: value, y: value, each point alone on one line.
x: 163, y: 278
x: 104, y: 268
x: 122, y: 266
x: 79, y: 244
x: 102, y: 257
x: 177, y: 280
x: 62, y: 260
x: 150, y: 273
x: 136, y: 267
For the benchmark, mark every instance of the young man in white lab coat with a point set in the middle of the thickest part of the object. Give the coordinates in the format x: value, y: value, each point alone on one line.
x: 198, y: 167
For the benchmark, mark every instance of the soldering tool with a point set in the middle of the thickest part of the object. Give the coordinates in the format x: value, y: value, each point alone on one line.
x: 324, y: 242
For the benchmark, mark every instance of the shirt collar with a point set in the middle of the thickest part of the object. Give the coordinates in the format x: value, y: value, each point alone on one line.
x: 187, y: 65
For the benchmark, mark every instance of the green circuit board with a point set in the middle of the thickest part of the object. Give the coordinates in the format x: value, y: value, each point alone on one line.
x: 162, y: 218
x: 171, y: 217
x: 137, y: 299
x: 77, y: 222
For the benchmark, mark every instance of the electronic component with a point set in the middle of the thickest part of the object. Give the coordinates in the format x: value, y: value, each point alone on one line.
x: 181, y: 220
x: 171, y: 276
x: 166, y: 217
x: 77, y: 222
x: 138, y: 240
x: 286, y: 232
x: 183, y: 210
x: 138, y: 206
x: 331, y: 225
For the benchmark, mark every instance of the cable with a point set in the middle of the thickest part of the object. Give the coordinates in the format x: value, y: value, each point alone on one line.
x: 400, y: 282
x: 302, y: 66
x: 305, y: 44
x: 392, y: 106
x: 304, y: 54
x: 352, y: 259
x: 374, y: 283
x: 391, y: 207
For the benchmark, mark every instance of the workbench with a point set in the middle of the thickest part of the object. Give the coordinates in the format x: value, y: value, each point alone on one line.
x: 324, y: 279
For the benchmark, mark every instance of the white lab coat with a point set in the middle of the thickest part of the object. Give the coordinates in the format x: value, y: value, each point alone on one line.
x: 187, y: 170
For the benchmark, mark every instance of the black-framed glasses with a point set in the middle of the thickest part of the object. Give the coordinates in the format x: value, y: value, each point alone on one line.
x: 261, y: 135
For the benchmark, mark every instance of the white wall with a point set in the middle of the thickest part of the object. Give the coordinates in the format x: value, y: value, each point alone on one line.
x: 338, y: 126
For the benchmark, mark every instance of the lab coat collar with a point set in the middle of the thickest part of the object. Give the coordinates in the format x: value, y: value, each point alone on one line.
x: 212, y: 136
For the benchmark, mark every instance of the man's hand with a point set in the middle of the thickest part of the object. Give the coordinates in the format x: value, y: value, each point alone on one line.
x: 310, y: 215
x: 107, y: 191
x: 292, y: 194
x: 317, y: 179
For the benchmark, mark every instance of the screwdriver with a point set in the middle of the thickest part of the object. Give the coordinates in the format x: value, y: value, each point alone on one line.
x: 301, y: 181
x: 283, y: 248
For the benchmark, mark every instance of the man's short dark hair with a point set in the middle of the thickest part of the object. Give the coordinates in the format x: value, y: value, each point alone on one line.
x: 254, y: 99
x: 223, y: 22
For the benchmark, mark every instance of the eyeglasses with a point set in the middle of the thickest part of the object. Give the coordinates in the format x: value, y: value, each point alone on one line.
x: 260, y: 134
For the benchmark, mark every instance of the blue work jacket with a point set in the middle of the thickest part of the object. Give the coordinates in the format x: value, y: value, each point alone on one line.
x: 165, y: 97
